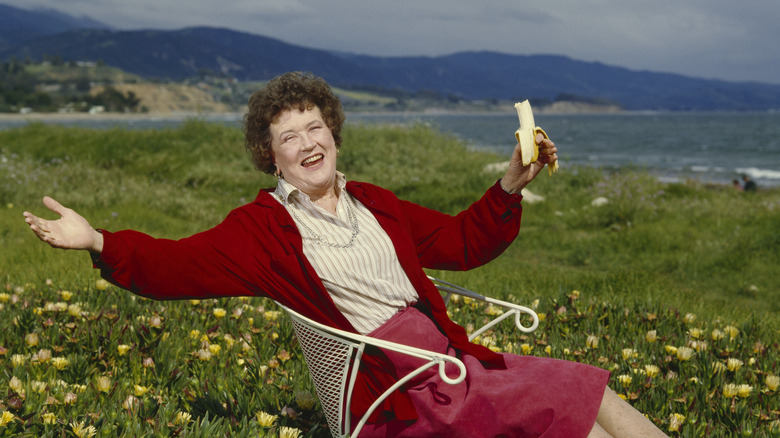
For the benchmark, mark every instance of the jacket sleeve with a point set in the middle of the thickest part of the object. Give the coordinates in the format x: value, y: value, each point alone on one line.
x: 227, y: 260
x: 469, y: 239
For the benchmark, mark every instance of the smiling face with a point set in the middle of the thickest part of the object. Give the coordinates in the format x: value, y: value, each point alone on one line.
x: 304, y: 151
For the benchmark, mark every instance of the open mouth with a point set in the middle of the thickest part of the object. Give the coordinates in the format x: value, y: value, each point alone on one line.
x: 313, y: 160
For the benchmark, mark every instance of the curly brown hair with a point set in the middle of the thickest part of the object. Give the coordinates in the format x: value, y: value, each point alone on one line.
x: 294, y: 90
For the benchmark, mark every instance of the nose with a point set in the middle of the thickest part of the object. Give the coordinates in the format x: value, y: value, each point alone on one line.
x: 308, y: 142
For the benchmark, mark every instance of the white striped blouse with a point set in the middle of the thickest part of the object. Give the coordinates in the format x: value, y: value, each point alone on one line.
x: 352, y: 255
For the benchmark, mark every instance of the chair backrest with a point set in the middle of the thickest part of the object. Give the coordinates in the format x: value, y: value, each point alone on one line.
x: 333, y: 363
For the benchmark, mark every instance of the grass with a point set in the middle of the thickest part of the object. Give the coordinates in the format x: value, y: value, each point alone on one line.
x: 658, y: 272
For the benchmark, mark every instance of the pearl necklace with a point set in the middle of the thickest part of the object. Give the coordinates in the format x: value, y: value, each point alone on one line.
x: 321, y: 240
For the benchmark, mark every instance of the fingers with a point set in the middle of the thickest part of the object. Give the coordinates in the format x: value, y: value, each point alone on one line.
x: 53, y: 205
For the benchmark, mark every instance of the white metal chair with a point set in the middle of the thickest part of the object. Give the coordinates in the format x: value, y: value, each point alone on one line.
x: 333, y: 357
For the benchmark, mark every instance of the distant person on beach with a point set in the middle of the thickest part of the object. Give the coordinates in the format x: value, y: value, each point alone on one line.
x: 749, y: 185
x: 737, y: 185
x: 351, y: 255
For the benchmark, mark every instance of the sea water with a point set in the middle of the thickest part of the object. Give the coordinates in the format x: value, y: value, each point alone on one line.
x: 708, y: 147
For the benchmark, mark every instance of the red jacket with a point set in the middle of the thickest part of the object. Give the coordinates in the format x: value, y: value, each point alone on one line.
x: 257, y: 251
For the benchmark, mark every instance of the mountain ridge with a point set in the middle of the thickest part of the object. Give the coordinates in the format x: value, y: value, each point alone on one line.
x: 471, y: 75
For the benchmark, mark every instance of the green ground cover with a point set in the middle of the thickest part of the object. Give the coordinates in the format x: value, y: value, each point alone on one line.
x: 672, y: 287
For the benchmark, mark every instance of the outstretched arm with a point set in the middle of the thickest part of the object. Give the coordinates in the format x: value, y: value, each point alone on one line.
x: 70, y: 231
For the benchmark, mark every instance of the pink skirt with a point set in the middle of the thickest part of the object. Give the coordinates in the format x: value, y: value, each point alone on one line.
x: 532, y: 397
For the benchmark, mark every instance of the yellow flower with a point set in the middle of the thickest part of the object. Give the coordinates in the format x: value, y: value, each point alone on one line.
x: 272, y: 315
x: 731, y: 331
x: 31, y: 339
x: 624, y: 379
x: 734, y: 364
x: 42, y: 356
x: 542, y: 316
x: 265, y: 419
x: 214, y: 349
x: 102, y: 284
x: 689, y: 318
x: 652, y: 370
x: 717, y: 335
x: 194, y: 334
x: 229, y: 340
x: 670, y: 349
x: 74, y: 310
x: 66, y: 295
x: 730, y: 390
x: 82, y: 431
x: 6, y: 417
x: 718, y: 367
x: 744, y: 390
x: 18, y: 359
x: 651, y: 336
x: 123, y: 349
x: 772, y: 382
x: 305, y: 400
x: 548, y: 349
x: 526, y: 349
x: 37, y: 386
x: 219, y: 312
x: 289, y: 432
x: 16, y: 384
x: 695, y: 333
x: 629, y: 353
x: 204, y: 355
x: 4, y: 297
x: 684, y: 353
x: 694, y: 379
x: 49, y: 418
x: 131, y: 403
x: 182, y: 418
x: 592, y: 341
x: 69, y: 398
x: 675, y: 421
x: 103, y: 384
x: 139, y: 390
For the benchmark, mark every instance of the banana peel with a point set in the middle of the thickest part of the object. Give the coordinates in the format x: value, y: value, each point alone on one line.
x: 526, y: 136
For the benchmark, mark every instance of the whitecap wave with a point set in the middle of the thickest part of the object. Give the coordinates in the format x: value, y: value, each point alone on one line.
x: 757, y: 173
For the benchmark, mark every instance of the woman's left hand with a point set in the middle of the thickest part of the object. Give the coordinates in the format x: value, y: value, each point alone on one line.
x: 518, y: 176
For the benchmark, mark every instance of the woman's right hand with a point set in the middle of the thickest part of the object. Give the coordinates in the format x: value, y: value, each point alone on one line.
x: 70, y: 231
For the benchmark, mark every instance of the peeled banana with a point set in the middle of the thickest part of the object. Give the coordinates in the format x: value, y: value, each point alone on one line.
x: 526, y: 136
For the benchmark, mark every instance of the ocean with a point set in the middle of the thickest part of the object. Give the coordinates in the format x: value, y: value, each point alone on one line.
x: 707, y: 147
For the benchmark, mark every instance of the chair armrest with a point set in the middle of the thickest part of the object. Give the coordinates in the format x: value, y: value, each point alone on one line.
x: 512, y: 309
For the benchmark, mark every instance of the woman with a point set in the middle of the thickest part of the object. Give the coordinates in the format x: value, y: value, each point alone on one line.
x: 350, y: 255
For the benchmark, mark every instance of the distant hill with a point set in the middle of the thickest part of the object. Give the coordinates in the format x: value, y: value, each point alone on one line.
x: 190, y: 52
x: 20, y: 25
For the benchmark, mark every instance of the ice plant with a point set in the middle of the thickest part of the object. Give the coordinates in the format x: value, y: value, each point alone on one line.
x: 730, y: 390
x: 734, y: 364
x: 122, y: 349
x: 684, y: 353
x: 592, y: 341
x: 182, y: 418
x: 31, y: 339
x: 219, y: 313
x: 265, y: 419
x: 717, y: 334
x: 49, y: 418
x: 60, y: 363
x: 652, y: 370
x: 651, y: 336
x: 744, y: 390
x: 81, y: 430
x: 689, y: 318
x: 101, y: 284
x: 289, y: 432
x: 6, y: 417
x: 629, y: 353
x: 103, y: 384
x: 772, y: 382
x: 624, y: 379
x: 139, y: 390
x: 204, y: 354
x: 676, y: 421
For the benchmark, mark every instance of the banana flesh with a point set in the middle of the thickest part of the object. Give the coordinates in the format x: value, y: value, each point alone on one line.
x: 526, y: 136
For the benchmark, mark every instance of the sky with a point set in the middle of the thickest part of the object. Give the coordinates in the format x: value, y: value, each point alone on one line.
x: 713, y: 39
